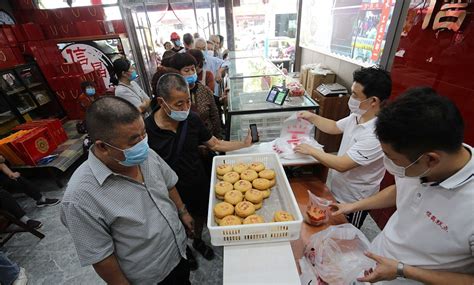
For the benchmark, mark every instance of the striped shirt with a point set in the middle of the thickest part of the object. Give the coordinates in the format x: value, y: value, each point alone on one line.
x: 108, y: 213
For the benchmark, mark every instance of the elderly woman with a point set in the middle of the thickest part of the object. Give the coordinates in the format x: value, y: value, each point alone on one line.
x: 202, y: 98
x: 175, y: 133
x: 205, y: 76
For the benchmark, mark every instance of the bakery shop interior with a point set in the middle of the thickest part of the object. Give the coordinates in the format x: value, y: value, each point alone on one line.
x: 209, y: 142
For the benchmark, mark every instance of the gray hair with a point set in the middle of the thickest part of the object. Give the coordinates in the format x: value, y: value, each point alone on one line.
x: 105, y: 114
x: 169, y: 82
x: 200, y: 42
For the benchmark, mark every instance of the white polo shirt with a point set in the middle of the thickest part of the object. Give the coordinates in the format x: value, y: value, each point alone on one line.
x: 362, y: 146
x: 433, y: 227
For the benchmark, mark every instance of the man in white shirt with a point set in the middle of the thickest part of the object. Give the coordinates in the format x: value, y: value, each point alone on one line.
x: 430, y: 238
x: 357, y: 169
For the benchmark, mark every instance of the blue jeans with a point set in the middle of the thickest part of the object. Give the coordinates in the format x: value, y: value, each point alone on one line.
x: 8, y: 270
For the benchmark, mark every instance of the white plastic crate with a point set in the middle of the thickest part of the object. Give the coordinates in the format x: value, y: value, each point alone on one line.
x: 281, y: 198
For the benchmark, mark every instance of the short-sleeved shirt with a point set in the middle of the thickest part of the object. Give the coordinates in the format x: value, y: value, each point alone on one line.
x: 433, y: 227
x: 193, y: 183
x: 107, y: 213
x: 213, y: 64
x: 362, y: 146
x: 132, y: 93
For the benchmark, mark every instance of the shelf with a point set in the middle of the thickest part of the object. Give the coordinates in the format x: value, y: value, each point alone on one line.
x: 31, y: 86
x: 14, y: 91
x: 44, y: 103
x: 6, y: 117
x: 27, y: 110
x: 89, y: 38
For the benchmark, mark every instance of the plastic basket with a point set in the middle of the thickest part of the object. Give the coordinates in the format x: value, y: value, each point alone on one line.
x: 282, y: 198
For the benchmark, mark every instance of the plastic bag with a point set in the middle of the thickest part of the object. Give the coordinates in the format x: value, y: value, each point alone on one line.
x: 337, y: 254
x: 317, y: 211
x: 294, y: 131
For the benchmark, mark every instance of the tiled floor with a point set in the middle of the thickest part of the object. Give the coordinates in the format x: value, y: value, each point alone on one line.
x: 53, y: 260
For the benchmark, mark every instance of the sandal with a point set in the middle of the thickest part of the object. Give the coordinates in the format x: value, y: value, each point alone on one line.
x: 203, y: 249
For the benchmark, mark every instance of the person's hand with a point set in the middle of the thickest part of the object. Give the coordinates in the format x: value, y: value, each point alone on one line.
x: 386, y: 269
x: 223, y: 99
x: 341, y: 208
x: 248, y: 139
x: 14, y: 175
x: 304, y: 149
x: 218, y: 76
x: 305, y: 115
x: 188, y: 223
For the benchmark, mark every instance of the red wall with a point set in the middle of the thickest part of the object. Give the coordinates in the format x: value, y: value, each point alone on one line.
x: 442, y: 59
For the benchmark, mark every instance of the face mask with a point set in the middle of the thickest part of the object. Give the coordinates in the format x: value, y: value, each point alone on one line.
x: 90, y: 91
x: 354, y: 106
x: 191, y: 79
x: 135, y: 154
x: 134, y: 75
x: 177, y: 43
x: 400, y: 171
x: 210, y: 53
x: 177, y: 115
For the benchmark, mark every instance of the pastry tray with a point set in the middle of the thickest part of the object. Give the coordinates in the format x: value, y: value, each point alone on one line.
x: 281, y: 198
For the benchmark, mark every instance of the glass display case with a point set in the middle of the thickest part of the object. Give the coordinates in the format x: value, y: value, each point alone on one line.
x: 252, y: 67
x: 25, y: 94
x: 247, y: 101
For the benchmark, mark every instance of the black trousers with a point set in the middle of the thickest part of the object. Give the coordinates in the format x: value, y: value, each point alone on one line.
x: 179, y: 275
x: 9, y: 204
x: 19, y: 185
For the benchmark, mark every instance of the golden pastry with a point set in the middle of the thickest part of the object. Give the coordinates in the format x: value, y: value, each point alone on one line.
x: 221, y: 188
x: 223, y: 169
x: 254, y: 219
x: 223, y: 209
x: 249, y: 175
x: 257, y: 166
x: 233, y: 197
x: 254, y: 196
x: 244, y: 209
x: 230, y: 221
x: 243, y: 186
x: 267, y: 174
x: 261, y: 184
x: 240, y: 167
x: 282, y: 216
x: 231, y: 177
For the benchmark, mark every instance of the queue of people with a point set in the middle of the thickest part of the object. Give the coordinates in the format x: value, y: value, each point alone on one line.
x: 144, y: 188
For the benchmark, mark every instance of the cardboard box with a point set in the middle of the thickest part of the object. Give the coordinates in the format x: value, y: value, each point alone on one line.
x: 318, y: 77
x: 54, y: 127
x: 304, y: 75
x: 8, y: 151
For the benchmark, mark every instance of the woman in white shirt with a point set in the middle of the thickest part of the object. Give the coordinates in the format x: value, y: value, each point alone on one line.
x: 126, y: 88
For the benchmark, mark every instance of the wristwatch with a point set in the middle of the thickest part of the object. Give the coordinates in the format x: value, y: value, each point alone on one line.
x: 400, y: 267
x: 182, y: 211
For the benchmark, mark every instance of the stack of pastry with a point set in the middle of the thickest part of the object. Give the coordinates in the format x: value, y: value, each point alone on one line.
x: 243, y: 187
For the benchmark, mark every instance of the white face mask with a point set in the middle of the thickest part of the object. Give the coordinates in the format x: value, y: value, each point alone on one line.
x: 354, y: 106
x: 210, y: 52
x: 400, y: 171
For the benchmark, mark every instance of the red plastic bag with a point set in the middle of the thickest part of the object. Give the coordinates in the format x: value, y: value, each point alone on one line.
x: 317, y: 211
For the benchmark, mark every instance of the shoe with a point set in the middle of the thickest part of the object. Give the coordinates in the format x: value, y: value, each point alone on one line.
x: 34, y: 224
x: 47, y: 202
x: 193, y: 265
x: 203, y: 249
x: 21, y: 279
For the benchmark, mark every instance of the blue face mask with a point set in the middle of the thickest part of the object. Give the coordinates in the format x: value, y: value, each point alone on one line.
x: 134, y: 75
x: 177, y: 115
x: 191, y: 79
x: 177, y: 43
x: 134, y: 155
x: 90, y: 91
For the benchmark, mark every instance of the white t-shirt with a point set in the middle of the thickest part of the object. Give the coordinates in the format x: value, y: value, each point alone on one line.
x: 362, y: 146
x: 433, y: 227
x: 133, y: 93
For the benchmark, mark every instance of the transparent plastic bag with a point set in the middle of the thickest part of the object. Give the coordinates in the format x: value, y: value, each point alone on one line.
x: 337, y: 254
x: 317, y: 211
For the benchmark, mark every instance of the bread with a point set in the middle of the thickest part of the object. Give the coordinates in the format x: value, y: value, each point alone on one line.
x: 254, y: 196
x: 249, y: 175
x: 230, y: 221
x: 221, y: 188
x: 261, y: 184
x: 244, y: 209
x: 233, y: 197
x: 223, y: 169
x: 254, y: 219
x: 240, y: 167
x: 223, y: 209
x: 282, y: 216
x: 231, y: 177
x: 267, y: 174
x: 257, y: 166
x: 243, y: 186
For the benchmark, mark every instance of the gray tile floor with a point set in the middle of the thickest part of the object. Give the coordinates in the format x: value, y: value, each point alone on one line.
x: 53, y: 260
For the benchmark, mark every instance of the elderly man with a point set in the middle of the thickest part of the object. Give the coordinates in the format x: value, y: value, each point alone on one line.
x: 121, y: 206
x: 216, y: 65
x: 175, y: 134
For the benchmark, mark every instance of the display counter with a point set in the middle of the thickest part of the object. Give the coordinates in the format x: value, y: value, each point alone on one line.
x: 277, y: 263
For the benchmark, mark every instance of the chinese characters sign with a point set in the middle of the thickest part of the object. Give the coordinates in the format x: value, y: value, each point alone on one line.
x: 90, y: 59
x: 450, y: 16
